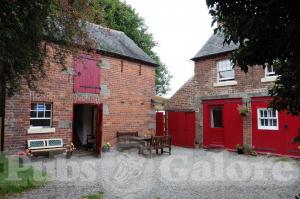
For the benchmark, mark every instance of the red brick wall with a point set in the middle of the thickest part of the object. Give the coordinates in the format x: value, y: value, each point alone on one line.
x: 127, y: 103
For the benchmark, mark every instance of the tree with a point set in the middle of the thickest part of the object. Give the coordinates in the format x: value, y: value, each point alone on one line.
x: 120, y: 16
x: 267, y: 31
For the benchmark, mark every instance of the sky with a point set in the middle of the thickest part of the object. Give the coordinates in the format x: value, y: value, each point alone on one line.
x: 181, y: 28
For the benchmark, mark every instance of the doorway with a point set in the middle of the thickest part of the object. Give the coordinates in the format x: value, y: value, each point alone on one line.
x: 87, y: 123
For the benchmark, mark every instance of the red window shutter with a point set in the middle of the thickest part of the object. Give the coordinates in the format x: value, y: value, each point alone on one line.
x: 87, y: 78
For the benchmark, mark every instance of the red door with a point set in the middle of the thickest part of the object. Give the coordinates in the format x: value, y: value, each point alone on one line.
x: 222, y: 123
x: 160, y: 124
x: 87, y: 78
x: 291, y: 126
x: 181, y: 126
x: 99, y: 129
x: 216, y: 126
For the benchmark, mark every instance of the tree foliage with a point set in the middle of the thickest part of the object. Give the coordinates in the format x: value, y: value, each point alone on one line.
x: 121, y: 16
x: 25, y: 28
x: 267, y: 31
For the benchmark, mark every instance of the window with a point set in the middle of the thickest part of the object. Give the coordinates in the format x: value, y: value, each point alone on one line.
x: 225, y: 70
x: 217, y: 117
x: 41, y: 115
x: 269, y: 70
x: 267, y: 119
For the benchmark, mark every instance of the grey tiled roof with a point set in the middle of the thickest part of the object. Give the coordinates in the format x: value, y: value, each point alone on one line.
x: 215, y: 45
x: 117, y: 43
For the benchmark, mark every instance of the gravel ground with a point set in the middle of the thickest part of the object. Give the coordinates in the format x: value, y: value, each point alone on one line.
x: 187, y: 173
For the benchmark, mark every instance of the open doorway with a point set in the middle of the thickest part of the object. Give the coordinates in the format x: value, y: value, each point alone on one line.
x: 87, y: 127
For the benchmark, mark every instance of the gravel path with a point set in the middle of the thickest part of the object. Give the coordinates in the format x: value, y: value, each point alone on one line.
x: 187, y: 173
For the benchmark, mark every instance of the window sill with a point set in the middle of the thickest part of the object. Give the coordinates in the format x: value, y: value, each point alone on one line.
x: 40, y: 130
x: 269, y: 79
x: 225, y: 83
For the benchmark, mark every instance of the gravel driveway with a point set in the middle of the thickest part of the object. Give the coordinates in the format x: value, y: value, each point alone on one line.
x: 187, y: 173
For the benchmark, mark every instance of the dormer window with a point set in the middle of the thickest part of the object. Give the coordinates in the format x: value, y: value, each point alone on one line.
x: 269, y: 70
x: 225, y: 70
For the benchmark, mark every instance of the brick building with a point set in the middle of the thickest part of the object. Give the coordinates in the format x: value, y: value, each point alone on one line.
x: 100, y: 92
x: 215, y: 93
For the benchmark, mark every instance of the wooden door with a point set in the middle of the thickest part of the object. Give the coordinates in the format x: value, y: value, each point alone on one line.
x: 216, y: 126
x: 99, y: 129
x: 160, y: 124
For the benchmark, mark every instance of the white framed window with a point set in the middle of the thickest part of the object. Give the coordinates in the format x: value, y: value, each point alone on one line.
x: 269, y: 70
x: 267, y: 119
x: 225, y: 70
x: 41, y: 115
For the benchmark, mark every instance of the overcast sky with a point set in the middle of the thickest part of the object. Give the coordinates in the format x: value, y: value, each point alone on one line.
x: 181, y: 28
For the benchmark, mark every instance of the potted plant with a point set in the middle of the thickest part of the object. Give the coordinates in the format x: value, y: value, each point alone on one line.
x: 243, y: 110
x: 69, y: 150
x: 239, y: 148
x: 106, y: 147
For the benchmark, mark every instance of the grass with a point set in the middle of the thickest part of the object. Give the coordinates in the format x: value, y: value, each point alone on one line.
x: 98, y: 195
x: 26, y: 180
x: 283, y: 159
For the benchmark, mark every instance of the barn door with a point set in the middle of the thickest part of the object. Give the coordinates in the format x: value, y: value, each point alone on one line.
x: 216, y: 126
x: 181, y: 126
x: 87, y: 78
x: 160, y: 124
x: 99, y: 129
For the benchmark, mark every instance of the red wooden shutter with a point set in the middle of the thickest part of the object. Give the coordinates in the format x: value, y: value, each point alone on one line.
x: 87, y: 78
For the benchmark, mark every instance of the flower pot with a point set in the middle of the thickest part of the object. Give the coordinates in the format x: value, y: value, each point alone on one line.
x: 69, y: 154
x: 104, y: 149
x: 240, y: 151
x: 243, y: 114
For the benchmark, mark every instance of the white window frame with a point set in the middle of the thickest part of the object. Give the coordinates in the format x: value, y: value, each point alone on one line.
x: 267, y: 73
x: 42, y: 118
x: 226, y: 78
x: 268, y: 117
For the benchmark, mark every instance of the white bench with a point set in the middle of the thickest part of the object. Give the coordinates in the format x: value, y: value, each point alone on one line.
x: 46, y: 145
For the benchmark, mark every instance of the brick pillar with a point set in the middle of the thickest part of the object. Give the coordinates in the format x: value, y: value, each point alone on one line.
x: 247, y: 123
x: 199, y: 121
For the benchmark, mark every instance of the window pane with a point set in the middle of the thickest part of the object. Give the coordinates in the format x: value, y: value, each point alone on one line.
x: 273, y: 113
x: 265, y: 113
x: 48, y: 107
x: 274, y: 122
x: 266, y: 122
x: 41, y: 114
x: 48, y: 114
x: 33, y: 106
x: 42, y: 123
x: 226, y: 74
x: 217, y: 117
x: 32, y: 113
x: 41, y: 107
x: 261, y: 112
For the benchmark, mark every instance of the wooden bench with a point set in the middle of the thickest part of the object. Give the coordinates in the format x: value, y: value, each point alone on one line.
x: 157, y: 143
x: 126, y: 140
x: 46, y: 146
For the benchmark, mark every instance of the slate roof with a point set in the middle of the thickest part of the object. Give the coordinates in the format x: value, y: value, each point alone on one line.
x: 117, y: 43
x: 215, y: 45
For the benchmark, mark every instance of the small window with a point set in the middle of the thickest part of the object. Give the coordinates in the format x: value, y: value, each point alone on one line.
x: 41, y: 115
x: 269, y: 70
x: 267, y: 119
x: 225, y: 70
x: 217, y: 117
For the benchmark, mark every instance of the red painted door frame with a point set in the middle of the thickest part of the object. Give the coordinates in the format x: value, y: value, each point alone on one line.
x: 160, y: 124
x: 232, y: 124
x: 99, y: 125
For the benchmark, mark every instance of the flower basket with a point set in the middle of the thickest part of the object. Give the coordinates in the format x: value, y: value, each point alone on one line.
x: 106, y: 147
x: 243, y: 110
